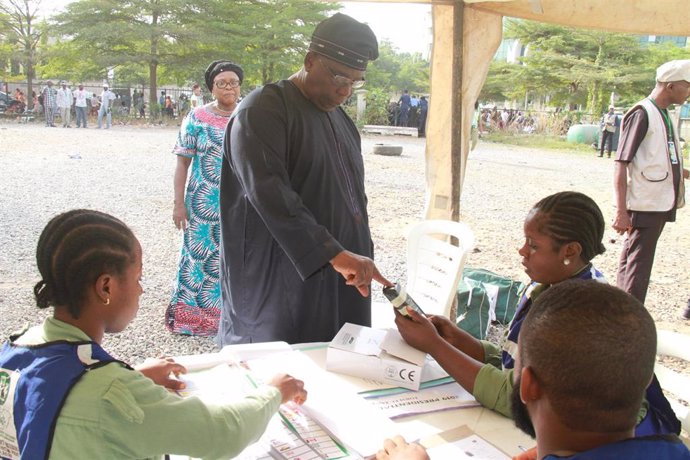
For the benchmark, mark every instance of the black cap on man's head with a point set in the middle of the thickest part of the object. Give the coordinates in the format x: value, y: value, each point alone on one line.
x: 345, y: 40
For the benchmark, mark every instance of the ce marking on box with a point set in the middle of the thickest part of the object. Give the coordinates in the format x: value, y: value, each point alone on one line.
x: 402, y: 374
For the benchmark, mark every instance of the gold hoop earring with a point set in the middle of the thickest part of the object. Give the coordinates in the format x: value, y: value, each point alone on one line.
x: 106, y: 301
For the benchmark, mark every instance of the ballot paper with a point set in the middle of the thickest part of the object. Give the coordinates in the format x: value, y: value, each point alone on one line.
x: 222, y: 383
x: 305, y: 438
x: 435, y: 399
x: 346, y: 416
x: 291, y: 435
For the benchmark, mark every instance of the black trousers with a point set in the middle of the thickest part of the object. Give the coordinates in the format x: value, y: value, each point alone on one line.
x: 606, y: 136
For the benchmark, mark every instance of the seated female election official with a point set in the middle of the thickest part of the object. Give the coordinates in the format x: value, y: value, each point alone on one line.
x: 580, y: 396
x: 563, y: 233
x: 69, y: 399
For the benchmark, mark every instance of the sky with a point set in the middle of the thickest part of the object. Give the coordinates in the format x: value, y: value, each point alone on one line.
x: 407, y: 26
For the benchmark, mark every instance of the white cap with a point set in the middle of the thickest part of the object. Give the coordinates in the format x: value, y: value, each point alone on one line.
x: 674, y: 71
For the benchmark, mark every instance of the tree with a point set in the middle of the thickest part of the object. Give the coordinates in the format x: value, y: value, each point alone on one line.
x: 573, y: 66
x: 268, y: 38
x: 640, y: 84
x: 18, y: 19
x: 114, y: 33
x: 6, y: 48
x: 497, y: 87
x: 396, y: 71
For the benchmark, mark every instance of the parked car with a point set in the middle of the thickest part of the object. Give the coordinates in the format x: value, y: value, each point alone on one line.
x: 9, y: 104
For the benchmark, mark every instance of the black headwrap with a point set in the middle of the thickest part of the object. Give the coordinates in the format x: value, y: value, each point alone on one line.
x: 217, y: 67
x: 345, y: 40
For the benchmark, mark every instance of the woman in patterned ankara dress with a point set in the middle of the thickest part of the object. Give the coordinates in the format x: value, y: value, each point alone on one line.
x: 195, y: 305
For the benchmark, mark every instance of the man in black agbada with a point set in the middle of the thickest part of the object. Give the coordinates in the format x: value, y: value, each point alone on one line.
x: 296, y: 250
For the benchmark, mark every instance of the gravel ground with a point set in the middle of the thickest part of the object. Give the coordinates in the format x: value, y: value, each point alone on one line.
x: 127, y: 171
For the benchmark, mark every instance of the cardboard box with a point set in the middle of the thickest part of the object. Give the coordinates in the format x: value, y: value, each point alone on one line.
x: 376, y: 354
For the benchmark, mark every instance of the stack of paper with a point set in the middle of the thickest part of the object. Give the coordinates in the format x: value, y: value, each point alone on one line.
x: 348, y: 418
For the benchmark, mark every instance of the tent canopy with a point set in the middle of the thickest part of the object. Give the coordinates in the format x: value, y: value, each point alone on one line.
x: 465, y: 38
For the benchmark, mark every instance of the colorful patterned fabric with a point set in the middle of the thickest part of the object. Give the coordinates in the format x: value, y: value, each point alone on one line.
x: 195, y: 305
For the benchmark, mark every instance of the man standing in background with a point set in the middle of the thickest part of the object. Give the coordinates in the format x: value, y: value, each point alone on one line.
x: 107, y: 98
x: 80, y: 103
x: 49, y: 103
x: 607, y: 132
x: 404, y: 102
x: 64, y: 103
x: 648, y: 176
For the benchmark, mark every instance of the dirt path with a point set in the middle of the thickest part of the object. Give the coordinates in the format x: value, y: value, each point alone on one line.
x: 128, y: 171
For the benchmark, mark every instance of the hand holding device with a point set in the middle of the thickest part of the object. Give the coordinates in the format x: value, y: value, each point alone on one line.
x: 401, y: 299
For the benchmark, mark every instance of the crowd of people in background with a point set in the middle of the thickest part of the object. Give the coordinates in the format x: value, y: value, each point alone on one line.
x: 493, y: 119
x: 409, y: 111
x: 65, y: 103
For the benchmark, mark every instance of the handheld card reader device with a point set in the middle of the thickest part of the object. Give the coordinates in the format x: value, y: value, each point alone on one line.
x: 401, y: 299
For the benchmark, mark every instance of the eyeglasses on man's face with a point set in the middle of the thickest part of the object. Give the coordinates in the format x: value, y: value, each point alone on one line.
x: 230, y: 84
x: 341, y: 81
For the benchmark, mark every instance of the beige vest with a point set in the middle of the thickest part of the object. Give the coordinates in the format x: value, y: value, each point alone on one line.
x: 650, y: 177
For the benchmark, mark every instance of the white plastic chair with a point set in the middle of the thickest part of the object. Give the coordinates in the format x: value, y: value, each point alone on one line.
x: 434, y: 268
x: 434, y: 264
x: 678, y: 346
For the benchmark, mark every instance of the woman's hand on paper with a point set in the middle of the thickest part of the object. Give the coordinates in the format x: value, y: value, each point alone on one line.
x: 291, y: 388
x: 398, y: 449
x: 159, y: 370
x: 417, y: 330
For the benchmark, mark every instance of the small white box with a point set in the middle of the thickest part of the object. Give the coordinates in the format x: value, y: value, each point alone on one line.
x: 376, y: 354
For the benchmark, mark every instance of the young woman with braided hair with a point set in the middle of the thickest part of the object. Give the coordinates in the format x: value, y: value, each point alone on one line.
x: 563, y: 233
x: 68, y: 398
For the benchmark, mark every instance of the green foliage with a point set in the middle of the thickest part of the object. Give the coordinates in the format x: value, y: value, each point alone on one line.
x: 398, y: 71
x: 268, y: 38
x: 536, y: 141
x: 577, y: 67
x: 113, y: 33
x: 171, y: 42
x: 377, y: 107
x: 21, y: 33
x: 496, y: 87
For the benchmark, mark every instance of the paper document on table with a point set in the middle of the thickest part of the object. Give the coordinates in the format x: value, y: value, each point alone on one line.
x: 223, y: 383
x: 203, y: 361
x: 260, y: 450
x: 247, y: 351
x: 290, y: 435
x: 440, y: 398
x: 336, y: 407
x: 309, y: 433
x: 472, y: 447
